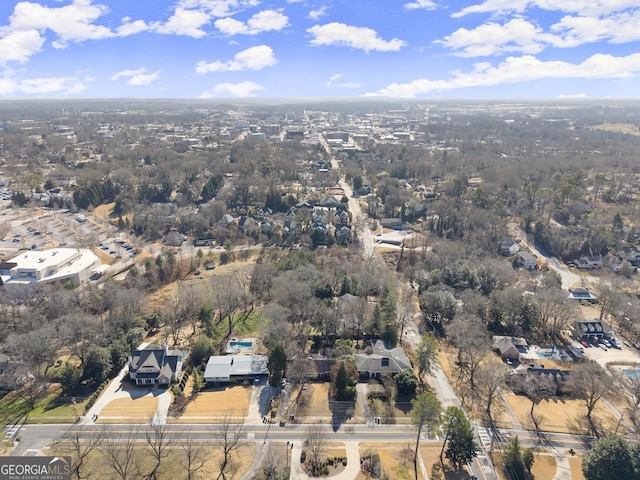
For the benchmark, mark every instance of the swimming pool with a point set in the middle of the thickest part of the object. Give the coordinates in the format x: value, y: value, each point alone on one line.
x: 631, y: 372
x: 235, y: 345
x: 553, y: 353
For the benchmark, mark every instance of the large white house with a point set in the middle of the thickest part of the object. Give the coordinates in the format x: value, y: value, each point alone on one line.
x: 52, y: 265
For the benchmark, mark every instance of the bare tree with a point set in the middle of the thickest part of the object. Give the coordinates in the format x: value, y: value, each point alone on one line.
x: 37, y: 349
x: 274, y: 461
x: 490, y: 378
x: 538, y: 387
x: 589, y: 382
x: 608, y: 296
x: 229, y: 435
x: 194, y: 456
x: 300, y: 370
x: 404, y: 310
x: 80, y: 444
x: 119, y: 454
x: 555, y: 313
x: 472, y: 339
x: 316, y: 444
x: 158, y: 440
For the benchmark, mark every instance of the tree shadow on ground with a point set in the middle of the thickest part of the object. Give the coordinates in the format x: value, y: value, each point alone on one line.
x: 341, y: 412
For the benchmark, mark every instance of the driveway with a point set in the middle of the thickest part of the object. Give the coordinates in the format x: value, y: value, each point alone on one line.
x: 116, y: 389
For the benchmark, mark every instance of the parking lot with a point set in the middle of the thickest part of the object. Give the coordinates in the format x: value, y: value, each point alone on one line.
x: 38, y: 228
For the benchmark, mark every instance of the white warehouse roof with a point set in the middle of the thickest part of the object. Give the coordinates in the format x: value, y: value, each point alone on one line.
x: 52, y: 265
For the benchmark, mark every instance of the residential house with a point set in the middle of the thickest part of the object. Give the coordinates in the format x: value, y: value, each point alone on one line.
x: 509, y: 348
x: 509, y: 247
x: 527, y: 260
x: 383, y: 359
x: 523, y: 379
x: 630, y: 254
x: 583, y: 294
x: 588, y: 263
x: 343, y: 233
x: 595, y: 328
x: 393, y: 223
x: 228, y: 368
x: 341, y: 217
x: 154, y: 365
x: 174, y: 238
x: 226, y: 220
x: 248, y: 224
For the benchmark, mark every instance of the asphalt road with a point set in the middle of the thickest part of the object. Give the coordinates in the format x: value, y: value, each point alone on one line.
x: 34, y: 437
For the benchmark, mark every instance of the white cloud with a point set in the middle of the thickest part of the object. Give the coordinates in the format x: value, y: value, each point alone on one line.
x: 47, y: 85
x: 318, y: 14
x: 184, y: 22
x: 355, y: 37
x: 582, y: 7
x: 137, y: 77
x: 20, y: 45
x: 254, y: 58
x: 521, y: 69
x: 130, y: 28
x: 219, y: 8
x: 71, y: 23
x: 517, y: 35
x: 575, y: 95
x: 576, y: 30
x: 330, y: 82
x: 265, y: 21
x: 242, y: 89
x: 420, y: 4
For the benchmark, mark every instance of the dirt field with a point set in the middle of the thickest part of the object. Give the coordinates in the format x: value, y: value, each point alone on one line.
x: 138, y: 410
x: 219, y: 402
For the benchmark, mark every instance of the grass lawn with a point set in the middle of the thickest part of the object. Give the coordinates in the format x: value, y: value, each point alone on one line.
x: 395, y: 460
x: 50, y: 408
x: 576, y: 468
x: 315, y: 400
x: 219, y: 402
x: 566, y: 416
x: 171, y: 467
x: 138, y: 410
x: 544, y: 467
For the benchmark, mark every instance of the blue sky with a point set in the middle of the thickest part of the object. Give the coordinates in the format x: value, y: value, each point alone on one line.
x: 475, y: 49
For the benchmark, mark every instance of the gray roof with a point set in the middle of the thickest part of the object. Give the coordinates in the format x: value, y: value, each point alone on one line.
x: 153, y: 361
x: 228, y: 366
x: 383, y: 359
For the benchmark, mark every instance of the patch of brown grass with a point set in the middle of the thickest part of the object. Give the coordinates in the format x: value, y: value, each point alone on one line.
x: 576, y: 468
x: 562, y: 416
x: 316, y: 399
x: 544, y: 467
x: 395, y: 459
x: 216, y: 403
x: 138, y: 410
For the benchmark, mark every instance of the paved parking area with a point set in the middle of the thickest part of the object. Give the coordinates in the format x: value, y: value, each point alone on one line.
x: 39, y: 228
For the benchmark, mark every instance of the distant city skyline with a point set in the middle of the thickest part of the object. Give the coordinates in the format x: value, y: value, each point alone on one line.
x: 468, y: 49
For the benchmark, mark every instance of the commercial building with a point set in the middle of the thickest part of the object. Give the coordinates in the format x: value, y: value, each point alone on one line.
x: 49, y: 266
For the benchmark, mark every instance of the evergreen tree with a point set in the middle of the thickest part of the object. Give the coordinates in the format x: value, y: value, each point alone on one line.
x: 277, y: 365
x: 513, y: 460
